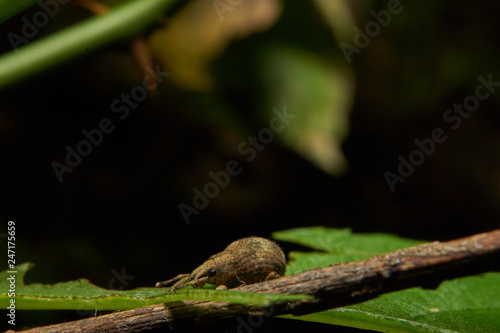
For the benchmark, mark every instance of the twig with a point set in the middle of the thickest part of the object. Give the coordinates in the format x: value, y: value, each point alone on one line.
x: 333, y: 286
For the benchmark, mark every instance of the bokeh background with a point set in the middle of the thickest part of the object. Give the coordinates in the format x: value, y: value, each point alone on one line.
x: 118, y: 210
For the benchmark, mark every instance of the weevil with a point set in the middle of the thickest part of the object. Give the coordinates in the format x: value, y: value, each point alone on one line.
x: 245, y: 261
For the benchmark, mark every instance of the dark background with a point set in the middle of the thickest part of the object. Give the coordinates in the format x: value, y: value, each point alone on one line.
x: 119, y: 208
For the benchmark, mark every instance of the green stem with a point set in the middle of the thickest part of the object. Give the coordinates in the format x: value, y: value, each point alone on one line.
x: 83, y: 37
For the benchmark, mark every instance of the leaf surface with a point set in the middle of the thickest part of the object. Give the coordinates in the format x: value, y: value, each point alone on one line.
x: 83, y: 295
x: 469, y: 304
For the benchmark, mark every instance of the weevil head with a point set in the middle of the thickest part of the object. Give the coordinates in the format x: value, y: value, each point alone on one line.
x: 218, y: 270
x: 206, y: 273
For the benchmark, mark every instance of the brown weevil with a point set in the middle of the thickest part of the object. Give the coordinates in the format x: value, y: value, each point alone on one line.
x: 245, y: 261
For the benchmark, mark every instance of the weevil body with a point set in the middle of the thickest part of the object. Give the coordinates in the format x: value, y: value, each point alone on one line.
x: 245, y: 261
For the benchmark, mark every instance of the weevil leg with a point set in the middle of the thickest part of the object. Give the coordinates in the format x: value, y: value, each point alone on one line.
x: 174, y: 280
x: 240, y: 283
x: 272, y: 276
x: 221, y: 287
x: 182, y: 283
x: 198, y: 283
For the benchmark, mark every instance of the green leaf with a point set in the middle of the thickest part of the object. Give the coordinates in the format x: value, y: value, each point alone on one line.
x: 79, y: 39
x: 9, y: 8
x: 337, y: 245
x: 318, y: 94
x: 470, y: 304
x: 82, y: 295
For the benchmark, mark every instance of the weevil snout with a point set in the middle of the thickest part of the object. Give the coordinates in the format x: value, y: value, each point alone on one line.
x: 205, y: 273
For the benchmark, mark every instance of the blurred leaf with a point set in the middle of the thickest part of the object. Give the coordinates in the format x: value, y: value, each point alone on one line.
x: 339, y: 17
x: 470, y: 304
x: 202, y: 30
x: 82, y: 295
x: 319, y: 94
x: 9, y: 8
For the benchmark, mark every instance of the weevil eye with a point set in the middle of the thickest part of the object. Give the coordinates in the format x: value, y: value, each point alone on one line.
x: 212, y: 272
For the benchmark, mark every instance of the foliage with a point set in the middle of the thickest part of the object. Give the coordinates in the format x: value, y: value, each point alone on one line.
x: 470, y: 304
x: 251, y: 62
x: 82, y: 295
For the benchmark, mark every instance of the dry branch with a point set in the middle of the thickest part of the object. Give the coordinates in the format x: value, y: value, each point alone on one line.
x: 333, y: 286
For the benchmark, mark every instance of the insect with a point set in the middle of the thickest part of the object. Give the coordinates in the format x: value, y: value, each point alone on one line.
x: 245, y: 261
